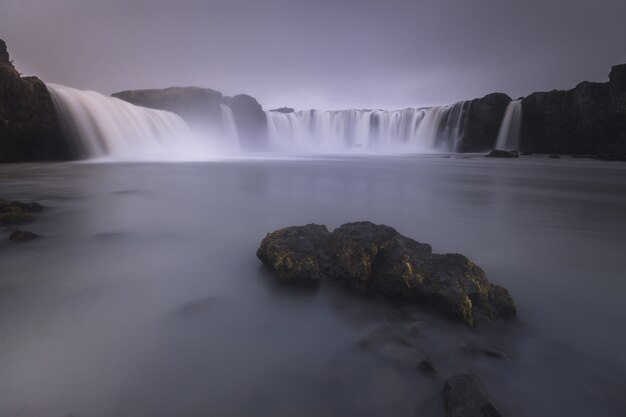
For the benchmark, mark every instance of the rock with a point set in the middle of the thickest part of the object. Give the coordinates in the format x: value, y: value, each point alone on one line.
x: 283, y: 110
x: 29, y: 127
x: 17, y: 212
x: 583, y: 120
x: 376, y: 259
x: 4, y: 53
x: 612, y: 157
x: 199, y: 107
x: 251, y: 121
x: 482, y: 122
x: 464, y: 395
x: 554, y: 156
x: 22, y: 236
x: 296, y: 254
x: 497, y: 153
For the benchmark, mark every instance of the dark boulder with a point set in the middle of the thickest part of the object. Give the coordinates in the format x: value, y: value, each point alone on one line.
x: 497, y: 153
x: 17, y: 212
x: 296, y: 254
x: 465, y: 395
x: 29, y: 127
x: 554, y: 156
x: 22, y: 236
x: 376, y: 259
x: 482, y: 122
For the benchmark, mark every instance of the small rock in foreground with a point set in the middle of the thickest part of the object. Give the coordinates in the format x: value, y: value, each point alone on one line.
x: 464, y: 395
x: 376, y: 259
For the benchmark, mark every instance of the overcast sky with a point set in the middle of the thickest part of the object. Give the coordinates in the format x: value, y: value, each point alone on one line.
x: 319, y: 54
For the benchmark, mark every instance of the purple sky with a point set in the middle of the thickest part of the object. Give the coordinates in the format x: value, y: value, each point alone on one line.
x: 319, y: 54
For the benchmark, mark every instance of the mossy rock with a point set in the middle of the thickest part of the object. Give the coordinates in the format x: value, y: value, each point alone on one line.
x: 376, y: 259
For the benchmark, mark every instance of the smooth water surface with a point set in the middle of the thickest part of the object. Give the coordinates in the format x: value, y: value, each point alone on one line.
x: 145, y: 298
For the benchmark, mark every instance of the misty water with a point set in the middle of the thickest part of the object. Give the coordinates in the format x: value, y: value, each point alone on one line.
x: 145, y: 298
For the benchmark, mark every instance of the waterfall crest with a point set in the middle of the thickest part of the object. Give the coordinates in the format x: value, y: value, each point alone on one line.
x: 407, y: 130
x: 106, y: 127
x: 511, y: 127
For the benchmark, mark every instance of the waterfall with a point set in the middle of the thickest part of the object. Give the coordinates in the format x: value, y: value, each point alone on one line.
x: 395, y: 131
x: 106, y: 127
x: 511, y: 128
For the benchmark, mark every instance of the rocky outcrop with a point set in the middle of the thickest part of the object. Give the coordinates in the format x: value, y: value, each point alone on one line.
x: 251, y: 121
x: 617, y: 89
x: 498, y: 153
x: 376, y: 259
x: 589, y: 119
x: 283, y: 110
x: 17, y: 212
x: 482, y: 122
x: 464, y: 395
x: 201, y: 109
x: 29, y: 128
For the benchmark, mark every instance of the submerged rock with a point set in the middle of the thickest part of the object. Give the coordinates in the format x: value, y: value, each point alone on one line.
x: 464, y: 395
x: 497, y: 153
x: 376, y: 259
x: 22, y: 236
x: 17, y: 212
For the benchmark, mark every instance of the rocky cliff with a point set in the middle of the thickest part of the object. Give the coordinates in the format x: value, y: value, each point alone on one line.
x: 482, y: 122
x: 29, y: 128
x: 201, y: 108
x: 588, y: 119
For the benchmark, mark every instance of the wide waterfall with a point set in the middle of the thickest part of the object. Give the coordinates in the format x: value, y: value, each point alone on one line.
x: 511, y: 128
x: 381, y: 131
x: 108, y: 128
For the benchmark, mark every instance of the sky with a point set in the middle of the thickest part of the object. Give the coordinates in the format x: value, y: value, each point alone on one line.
x: 325, y: 54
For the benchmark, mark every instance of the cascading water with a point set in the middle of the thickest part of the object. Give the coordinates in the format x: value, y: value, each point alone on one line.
x: 511, y: 128
x: 407, y: 130
x: 106, y: 127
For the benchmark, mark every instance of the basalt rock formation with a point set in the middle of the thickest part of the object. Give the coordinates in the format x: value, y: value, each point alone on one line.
x: 482, y: 122
x: 376, y: 259
x: 29, y: 128
x: 588, y: 119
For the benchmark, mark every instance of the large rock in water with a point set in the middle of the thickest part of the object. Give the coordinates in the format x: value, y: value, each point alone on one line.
x: 464, y: 395
x: 29, y: 128
x: 376, y: 259
x: 482, y: 122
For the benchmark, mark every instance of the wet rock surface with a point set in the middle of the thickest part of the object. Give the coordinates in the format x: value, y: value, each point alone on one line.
x: 465, y: 395
x: 17, y: 212
x: 497, y: 153
x: 376, y: 259
x: 22, y: 236
x: 29, y: 128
